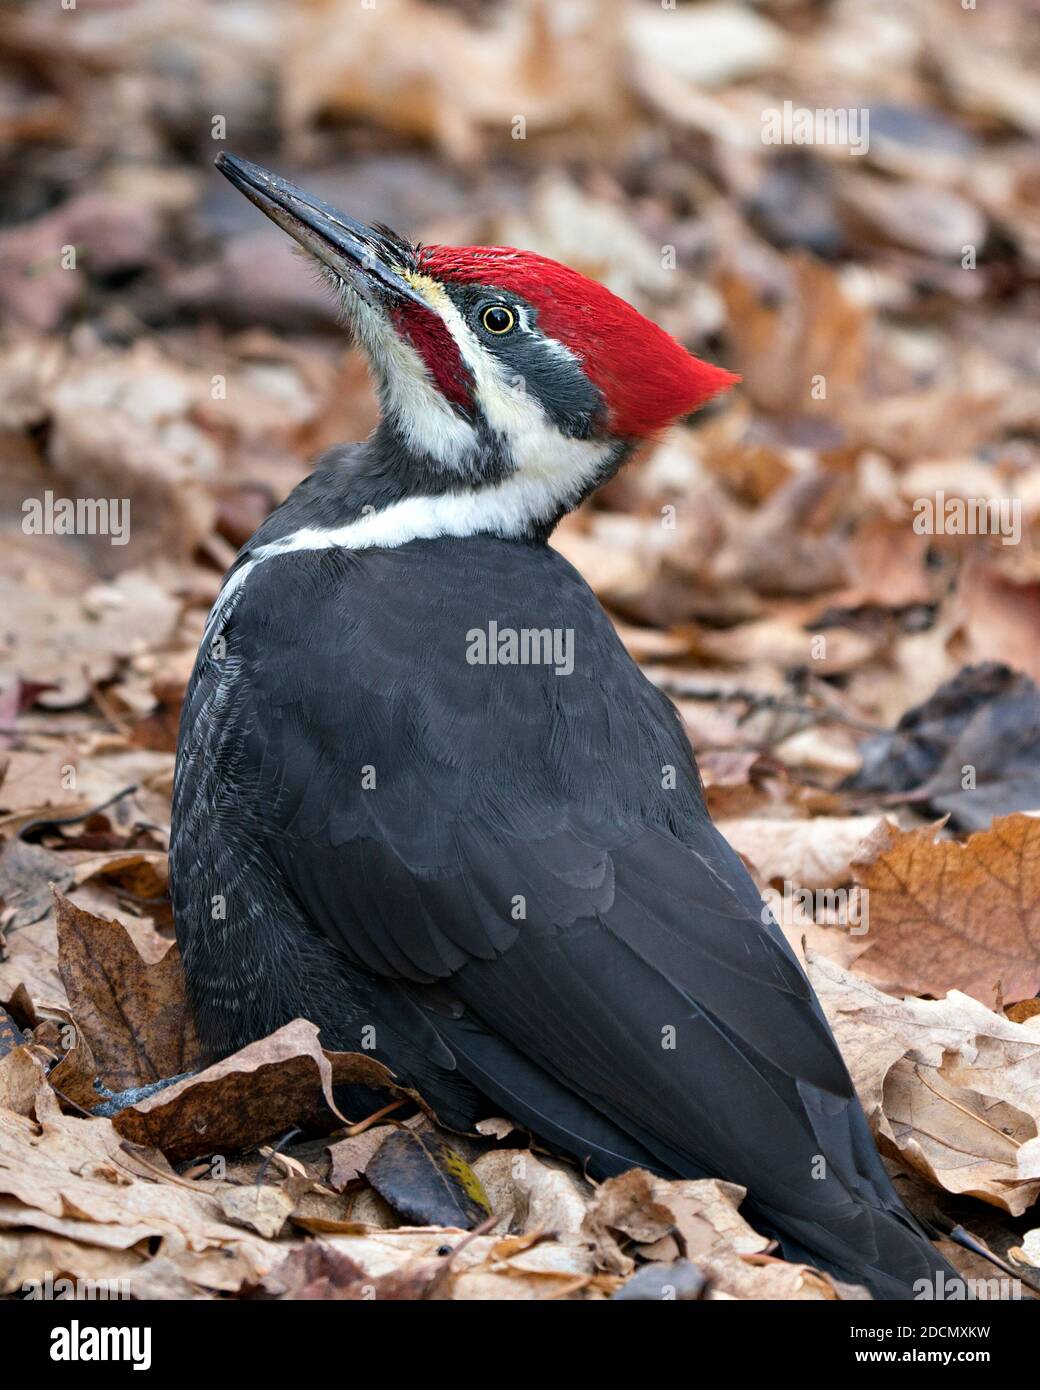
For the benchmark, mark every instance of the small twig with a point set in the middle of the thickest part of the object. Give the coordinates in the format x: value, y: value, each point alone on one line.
x: 69, y: 1101
x: 758, y: 700
x: 486, y: 1225
x: 1017, y: 1143
x: 578, y: 1281
x: 104, y: 704
x: 275, y: 1150
x: 362, y: 1125
x: 50, y: 822
x: 158, y: 1172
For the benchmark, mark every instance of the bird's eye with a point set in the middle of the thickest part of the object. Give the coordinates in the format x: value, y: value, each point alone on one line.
x: 498, y: 319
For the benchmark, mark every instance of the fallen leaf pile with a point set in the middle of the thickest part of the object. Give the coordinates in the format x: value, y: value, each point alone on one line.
x: 861, y: 689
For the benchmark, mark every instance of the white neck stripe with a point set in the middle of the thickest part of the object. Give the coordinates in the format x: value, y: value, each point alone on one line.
x: 507, y: 510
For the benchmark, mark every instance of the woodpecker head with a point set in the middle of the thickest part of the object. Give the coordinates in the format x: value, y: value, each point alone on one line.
x: 500, y: 372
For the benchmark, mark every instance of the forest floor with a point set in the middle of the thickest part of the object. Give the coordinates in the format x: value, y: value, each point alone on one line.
x: 833, y: 571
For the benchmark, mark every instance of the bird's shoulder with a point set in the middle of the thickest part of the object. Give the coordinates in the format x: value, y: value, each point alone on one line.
x: 441, y: 683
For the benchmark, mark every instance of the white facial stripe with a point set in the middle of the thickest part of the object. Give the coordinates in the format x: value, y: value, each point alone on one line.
x: 508, y: 509
x: 415, y: 407
x: 426, y: 421
x: 532, y: 440
x: 505, y: 406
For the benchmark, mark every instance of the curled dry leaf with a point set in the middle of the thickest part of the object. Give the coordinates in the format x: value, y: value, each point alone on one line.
x: 255, y: 1093
x: 22, y: 1074
x: 350, y: 1156
x: 317, y: 1271
x: 74, y: 1076
x: 815, y: 853
x: 133, y: 1011
x: 73, y: 1180
x: 945, y: 916
x: 699, y: 1221
x: 950, y: 1088
x: 530, y: 1195
x: 646, y: 1209
x: 262, y: 1209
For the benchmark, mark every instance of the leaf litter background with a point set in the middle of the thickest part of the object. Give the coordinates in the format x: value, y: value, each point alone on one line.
x: 830, y: 765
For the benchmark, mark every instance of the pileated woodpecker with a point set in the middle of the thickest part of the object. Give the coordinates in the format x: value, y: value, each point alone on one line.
x: 445, y: 816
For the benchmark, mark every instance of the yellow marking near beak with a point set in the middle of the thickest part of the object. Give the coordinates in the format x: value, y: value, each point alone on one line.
x: 429, y: 288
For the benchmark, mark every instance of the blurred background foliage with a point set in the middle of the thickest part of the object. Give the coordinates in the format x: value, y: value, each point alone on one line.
x: 160, y: 342
x: 192, y: 363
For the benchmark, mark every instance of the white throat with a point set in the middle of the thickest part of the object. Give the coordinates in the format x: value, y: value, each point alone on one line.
x: 531, y: 497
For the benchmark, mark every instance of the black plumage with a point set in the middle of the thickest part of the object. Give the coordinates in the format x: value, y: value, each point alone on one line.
x: 507, y: 874
x: 498, y: 874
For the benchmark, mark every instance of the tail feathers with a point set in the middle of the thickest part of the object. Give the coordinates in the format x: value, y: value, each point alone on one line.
x: 865, y: 1244
x: 528, y: 1094
x: 883, y: 1250
x: 967, y: 1241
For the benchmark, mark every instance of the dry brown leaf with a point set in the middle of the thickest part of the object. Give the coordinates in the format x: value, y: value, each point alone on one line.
x: 316, y: 1271
x: 134, y: 1011
x: 252, y: 1095
x: 74, y: 1076
x: 803, y: 932
x: 530, y: 1195
x: 782, y: 347
x: 646, y: 1209
x: 30, y: 961
x: 33, y: 781
x: 815, y: 853
x: 698, y: 1220
x: 887, y: 564
x: 350, y: 1156
x: 123, y: 422
x: 75, y: 1180
x: 28, y: 1258
x: 1000, y: 618
x: 72, y: 640
x: 1022, y: 1011
x: 22, y: 1074
x: 950, y: 1088
x: 544, y: 1269
x: 262, y: 1209
x: 758, y: 1277
x: 785, y: 638
x: 943, y: 915
x: 780, y: 548
x: 27, y: 872
x: 140, y: 872
x: 350, y: 62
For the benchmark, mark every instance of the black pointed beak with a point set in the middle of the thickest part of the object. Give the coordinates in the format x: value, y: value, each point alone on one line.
x: 369, y: 259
